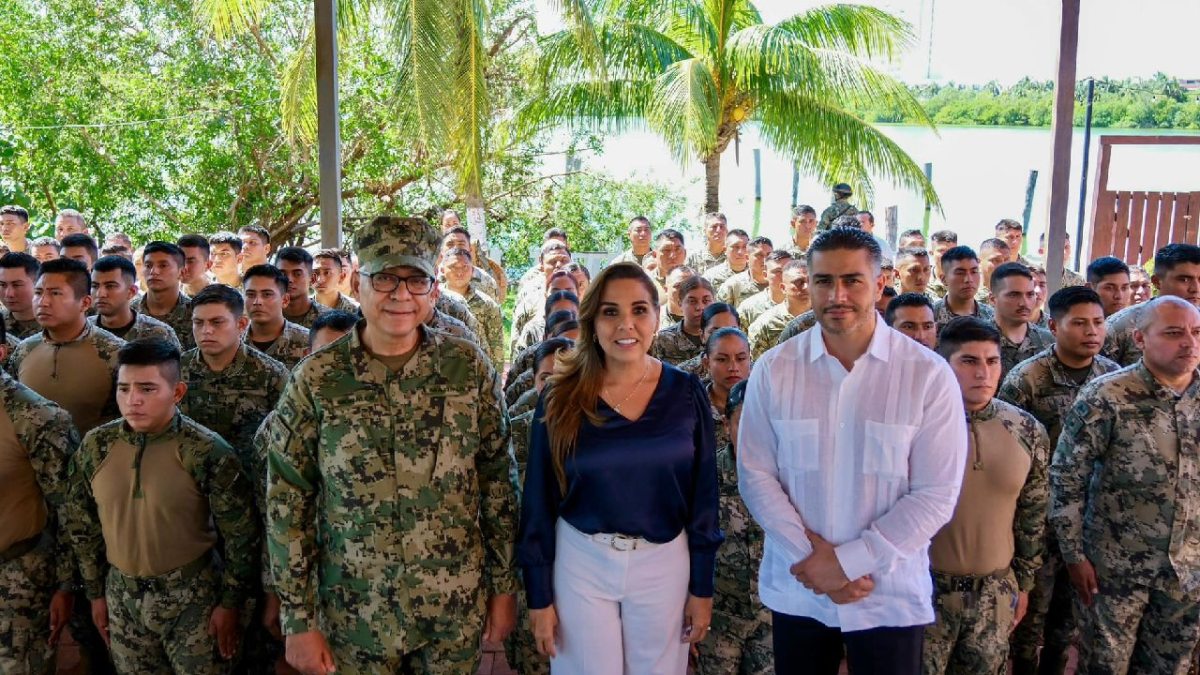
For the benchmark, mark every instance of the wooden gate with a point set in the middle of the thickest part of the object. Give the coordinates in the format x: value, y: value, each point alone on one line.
x: 1132, y: 225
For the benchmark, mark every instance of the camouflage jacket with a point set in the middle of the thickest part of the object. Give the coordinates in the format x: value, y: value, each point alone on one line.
x: 840, y: 207
x: 344, y: 304
x: 797, y: 326
x: 754, y: 307
x: 942, y: 313
x: 675, y: 346
x: 21, y: 329
x: 1071, y: 278
x: 531, y: 335
x: 1126, y: 481
x: 310, y: 315
x: 218, y: 474
x: 736, y: 583
x: 718, y: 275
x: 629, y: 256
x: 520, y: 444
x: 518, y: 386
x: 1118, y: 343
x: 1041, y: 386
x: 702, y: 260
x: 765, y: 331
x: 739, y: 288
x: 1011, y: 353
x: 232, y: 403
x: 144, y: 326
x: 48, y: 438
x: 525, y: 403
x: 452, y: 304
x: 390, y: 500
x: 444, y: 323
x: 937, y: 288
x: 86, y: 407
x: 695, y: 366
x: 289, y: 348
x: 179, y: 318
x: 487, y: 312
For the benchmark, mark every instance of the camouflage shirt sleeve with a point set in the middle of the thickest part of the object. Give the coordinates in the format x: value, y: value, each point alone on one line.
x: 51, y: 443
x: 1014, y: 390
x: 498, y: 507
x: 1029, y: 522
x: 1084, y: 437
x: 231, y: 502
x: 82, y: 519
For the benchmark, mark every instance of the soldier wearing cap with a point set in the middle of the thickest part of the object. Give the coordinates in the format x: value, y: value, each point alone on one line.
x: 390, y: 504
x: 841, y: 206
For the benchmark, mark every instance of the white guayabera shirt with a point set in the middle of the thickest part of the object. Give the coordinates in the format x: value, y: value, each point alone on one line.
x: 870, y: 459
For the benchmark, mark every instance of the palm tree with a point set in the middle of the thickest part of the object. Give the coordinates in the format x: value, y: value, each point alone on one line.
x: 697, y: 71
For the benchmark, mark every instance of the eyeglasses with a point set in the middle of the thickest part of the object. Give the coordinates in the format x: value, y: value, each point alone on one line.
x: 382, y: 282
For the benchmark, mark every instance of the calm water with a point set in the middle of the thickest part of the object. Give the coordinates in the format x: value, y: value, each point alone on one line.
x: 980, y: 174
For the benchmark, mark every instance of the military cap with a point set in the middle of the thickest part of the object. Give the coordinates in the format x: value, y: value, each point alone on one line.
x: 395, y: 241
x: 842, y: 189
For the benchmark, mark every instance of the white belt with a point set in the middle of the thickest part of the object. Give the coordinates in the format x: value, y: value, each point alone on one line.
x: 622, y: 542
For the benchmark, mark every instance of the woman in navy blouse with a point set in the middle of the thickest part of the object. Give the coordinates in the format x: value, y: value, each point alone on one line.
x: 619, y: 525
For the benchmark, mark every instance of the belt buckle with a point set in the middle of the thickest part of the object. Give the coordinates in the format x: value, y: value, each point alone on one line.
x: 621, y: 542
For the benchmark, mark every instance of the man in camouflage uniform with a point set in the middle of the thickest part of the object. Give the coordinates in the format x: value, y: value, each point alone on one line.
x: 754, y: 280
x: 985, y: 559
x: 913, y: 271
x: 1125, y: 506
x: 754, y: 306
x: 489, y: 273
x: 533, y: 308
x: 328, y: 274
x: 1014, y: 296
x: 156, y: 477
x: 390, y: 501
x: 457, y: 270
x: 912, y: 314
x: 639, y: 243
x: 961, y: 273
x: 535, y: 331
x: 1177, y: 273
x: 1069, y: 276
x: 1045, y: 386
x: 297, y: 265
x: 18, y: 273
x: 713, y: 253
x: 737, y: 259
x: 803, y: 228
x: 266, y: 295
x: 765, y: 331
x: 670, y: 253
x: 459, y: 237
x: 162, y: 265
x: 681, y: 341
x: 841, y: 206
x: 36, y: 442
x: 114, y: 284
x: 940, y: 242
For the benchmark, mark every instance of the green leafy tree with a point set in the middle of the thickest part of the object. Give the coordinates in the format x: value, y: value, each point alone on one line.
x: 697, y: 71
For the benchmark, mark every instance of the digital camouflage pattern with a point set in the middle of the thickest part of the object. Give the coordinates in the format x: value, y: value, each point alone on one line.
x: 397, y: 241
x: 452, y: 305
x: 520, y: 649
x: 754, y: 307
x: 532, y: 334
x: 1132, y: 628
x: 720, y: 274
x: 674, y: 346
x: 524, y: 313
x: 344, y: 304
x: 218, y: 474
x: 839, y: 207
x: 391, y: 507
x: 306, y: 320
x: 482, y: 281
x: 702, y: 260
x: 518, y: 385
x: 144, y: 327
x: 936, y: 287
x: 179, y: 318
x: 1071, y: 278
x: 488, y: 314
x: 46, y: 435
x: 695, y: 366
x: 527, y: 401
x: 766, y: 329
x: 1012, y: 353
x: 98, y: 343
x: 1118, y: 342
x: 289, y: 348
x: 630, y: 257
x: 740, y: 642
x: 797, y: 326
x: 21, y: 329
x: 233, y: 403
x: 739, y: 288
x: 942, y: 313
x: 444, y: 323
x: 1042, y: 387
x: 970, y: 635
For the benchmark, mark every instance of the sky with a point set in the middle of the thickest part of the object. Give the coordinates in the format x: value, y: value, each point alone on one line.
x: 976, y: 41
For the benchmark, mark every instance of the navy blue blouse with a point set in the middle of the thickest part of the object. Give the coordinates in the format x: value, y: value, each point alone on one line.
x: 652, y: 478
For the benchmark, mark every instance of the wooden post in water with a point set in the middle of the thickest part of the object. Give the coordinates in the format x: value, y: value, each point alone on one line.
x: 795, y: 185
x: 892, y: 219
x: 757, y: 174
x: 928, y: 207
x: 1029, y: 188
x: 1060, y: 172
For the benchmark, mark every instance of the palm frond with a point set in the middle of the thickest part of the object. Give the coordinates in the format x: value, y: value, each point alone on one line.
x: 855, y: 29
x: 581, y: 24
x: 685, y: 109
x: 298, y: 98
x: 469, y: 100
x: 688, y: 24
x: 633, y: 50
x: 425, y: 35
x: 227, y: 18
x: 610, y: 105
x: 745, y: 14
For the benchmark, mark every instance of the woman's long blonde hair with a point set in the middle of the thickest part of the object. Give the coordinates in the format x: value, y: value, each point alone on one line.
x: 573, y: 391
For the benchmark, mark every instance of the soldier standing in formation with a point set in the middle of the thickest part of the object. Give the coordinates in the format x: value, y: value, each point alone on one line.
x: 114, y: 285
x: 162, y: 263
x: 18, y: 274
x: 266, y: 292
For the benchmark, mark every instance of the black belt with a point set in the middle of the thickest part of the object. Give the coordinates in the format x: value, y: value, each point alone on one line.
x: 952, y: 583
x: 168, y: 581
x: 20, y: 548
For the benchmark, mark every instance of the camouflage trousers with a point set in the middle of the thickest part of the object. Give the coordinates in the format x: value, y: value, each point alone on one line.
x: 1136, y: 629
x: 520, y: 649
x: 455, y: 652
x: 1049, y: 623
x: 971, y: 632
x: 737, y: 645
x: 161, y: 625
x: 26, y: 585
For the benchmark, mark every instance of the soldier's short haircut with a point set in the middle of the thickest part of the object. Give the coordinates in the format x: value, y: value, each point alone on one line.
x: 669, y: 233
x: 72, y: 213
x: 958, y: 253
x: 912, y: 233
x: 220, y: 294
x: 80, y: 240
x: 737, y: 396
x: 226, y: 237
x: 905, y: 300
x: 578, y: 267
x: 1009, y: 269
x: 110, y: 263
x: 795, y: 264
x: 549, y: 347
x: 692, y: 283
x: 75, y: 272
x: 151, y: 352
x: 556, y: 233
x: 1008, y: 224
x: 803, y: 210
x: 117, y: 249
x: 165, y: 247
x: 296, y: 255
x: 464, y: 252
x: 911, y: 252
x: 555, y: 318
x: 335, y: 320
x: 870, y: 216
x: 762, y: 241
x: 779, y: 254
x: 552, y: 245
x: 995, y: 244
x: 717, y: 309
x: 194, y: 241
x: 16, y: 260
x: 1065, y: 298
x: 738, y: 232
x: 334, y: 254
x: 562, y: 327
x: 14, y: 210
x: 1148, y: 314
x: 681, y: 271
x: 846, y: 239
x: 641, y: 219
x: 46, y: 241
x: 1105, y: 266
x: 944, y: 237
x: 1171, y: 255
x: 890, y: 292
x: 457, y: 229
x: 260, y: 232
x: 710, y: 218
x: 845, y: 222
x: 729, y: 331
x: 267, y: 271
x: 557, y: 297
x: 963, y: 329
